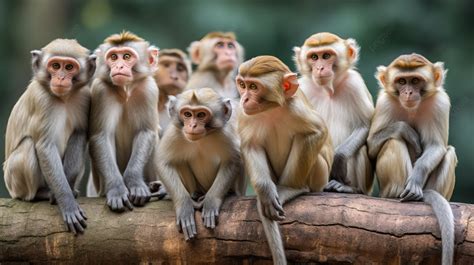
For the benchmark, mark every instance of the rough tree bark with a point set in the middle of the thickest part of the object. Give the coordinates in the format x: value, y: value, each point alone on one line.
x: 319, y: 228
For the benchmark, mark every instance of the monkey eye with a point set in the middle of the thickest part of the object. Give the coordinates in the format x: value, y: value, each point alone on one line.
x: 188, y: 114
x: 56, y: 66
x: 231, y: 45
x: 242, y: 84
x: 220, y: 44
x: 326, y: 56
x: 415, y: 81
x: 402, y: 81
x: 253, y: 86
x: 201, y: 115
x: 314, y: 57
x: 127, y: 56
x: 180, y: 68
x: 69, y: 67
x: 113, y: 57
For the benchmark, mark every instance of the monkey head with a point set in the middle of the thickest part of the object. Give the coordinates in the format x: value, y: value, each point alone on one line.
x: 410, y: 79
x: 124, y: 58
x: 199, y: 112
x: 325, y: 58
x: 265, y: 82
x: 174, y: 70
x: 219, y: 51
x: 63, y: 65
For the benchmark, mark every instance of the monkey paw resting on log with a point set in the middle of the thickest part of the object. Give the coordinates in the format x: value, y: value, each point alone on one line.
x: 46, y: 136
x: 124, y: 120
x: 285, y: 144
x: 199, y: 157
x: 409, y: 139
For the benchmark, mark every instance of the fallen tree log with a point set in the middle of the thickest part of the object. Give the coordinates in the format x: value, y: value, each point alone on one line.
x: 319, y: 228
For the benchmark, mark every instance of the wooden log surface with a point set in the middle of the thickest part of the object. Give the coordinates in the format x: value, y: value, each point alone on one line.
x: 323, y: 228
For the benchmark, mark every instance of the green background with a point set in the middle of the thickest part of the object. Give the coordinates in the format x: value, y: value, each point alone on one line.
x: 439, y: 30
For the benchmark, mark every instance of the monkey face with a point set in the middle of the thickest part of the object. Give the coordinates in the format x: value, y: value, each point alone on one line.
x: 226, y: 54
x: 62, y: 70
x: 322, y: 62
x: 121, y: 61
x: 253, y: 93
x: 409, y: 88
x: 195, y: 119
x: 172, y: 74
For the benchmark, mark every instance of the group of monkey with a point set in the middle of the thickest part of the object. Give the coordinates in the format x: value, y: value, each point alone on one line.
x: 153, y: 127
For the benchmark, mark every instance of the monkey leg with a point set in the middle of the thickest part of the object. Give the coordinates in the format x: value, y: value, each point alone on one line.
x: 393, y: 168
x: 320, y: 174
x: 360, y: 170
x: 286, y: 194
x: 273, y: 235
x: 442, y: 179
x: 23, y: 175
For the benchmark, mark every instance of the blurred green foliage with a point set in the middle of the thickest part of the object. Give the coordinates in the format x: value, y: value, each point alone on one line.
x: 440, y: 30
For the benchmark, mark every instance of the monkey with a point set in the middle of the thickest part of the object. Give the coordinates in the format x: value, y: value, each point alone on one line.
x: 124, y: 120
x: 46, y: 136
x: 174, y: 69
x: 199, y: 154
x: 285, y: 144
x: 409, y: 139
x: 339, y: 94
x: 217, y: 56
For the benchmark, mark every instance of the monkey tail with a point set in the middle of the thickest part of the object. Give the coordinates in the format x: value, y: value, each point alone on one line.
x: 272, y: 233
x: 445, y: 217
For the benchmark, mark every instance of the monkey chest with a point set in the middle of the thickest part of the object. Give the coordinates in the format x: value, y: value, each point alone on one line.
x: 204, y: 168
x: 278, y: 148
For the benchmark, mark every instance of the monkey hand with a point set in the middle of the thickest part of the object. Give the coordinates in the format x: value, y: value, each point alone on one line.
x: 52, y: 199
x: 139, y: 192
x: 117, y: 198
x: 271, y: 207
x: 157, y: 189
x: 339, y: 169
x: 210, y: 211
x: 74, y: 217
x: 413, y: 191
x: 185, y: 219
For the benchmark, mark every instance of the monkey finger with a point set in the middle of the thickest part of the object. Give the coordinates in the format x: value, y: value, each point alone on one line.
x: 83, y: 214
x: 185, y: 230
x: 77, y: 225
x: 127, y: 203
x: 70, y: 225
x: 213, y: 220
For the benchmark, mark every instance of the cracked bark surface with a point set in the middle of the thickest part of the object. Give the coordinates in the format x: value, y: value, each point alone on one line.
x: 325, y: 228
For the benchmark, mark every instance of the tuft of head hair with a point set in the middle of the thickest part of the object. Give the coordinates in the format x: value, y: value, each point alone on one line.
x: 219, y: 34
x: 261, y: 65
x: 122, y: 38
x: 320, y: 39
x: 410, y: 61
x: 66, y: 47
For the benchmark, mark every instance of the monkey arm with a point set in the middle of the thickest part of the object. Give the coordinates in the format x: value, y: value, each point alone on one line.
x: 74, y: 157
x: 183, y: 204
x: 397, y: 130
x: 51, y: 167
x: 429, y: 160
x: 143, y: 145
x: 259, y: 173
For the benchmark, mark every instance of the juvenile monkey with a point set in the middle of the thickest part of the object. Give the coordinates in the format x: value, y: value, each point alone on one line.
x: 124, y: 120
x: 199, y: 154
x: 46, y: 133
x: 285, y: 144
x: 174, y: 69
x: 338, y: 93
x: 217, y: 55
x: 409, y: 139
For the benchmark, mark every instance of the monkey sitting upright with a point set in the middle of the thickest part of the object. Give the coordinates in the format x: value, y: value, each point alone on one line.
x: 46, y: 134
x: 199, y: 154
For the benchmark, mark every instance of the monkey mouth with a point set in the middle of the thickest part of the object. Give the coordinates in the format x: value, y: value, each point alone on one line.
x: 194, y: 136
x: 121, y: 74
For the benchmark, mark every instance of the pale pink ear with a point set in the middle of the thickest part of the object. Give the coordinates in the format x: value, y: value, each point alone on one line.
x: 352, y: 50
x: 290, y: 84
x: 153, y: 57
x: 380, y: 76
x: 194, y: 52
x: 439, y: 73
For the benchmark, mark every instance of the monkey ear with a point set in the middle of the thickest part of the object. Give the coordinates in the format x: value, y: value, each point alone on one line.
x: 91, y: 65
x: 153, y: 58
x: 227, y: 105
x: 296, y: 58
x: 36, y: 60
x: 380, y: 76
x: 194, y: 52
x: 290, y: 84
x: 171, y: 106
x: 352, y: 51
x: 439, y: 73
